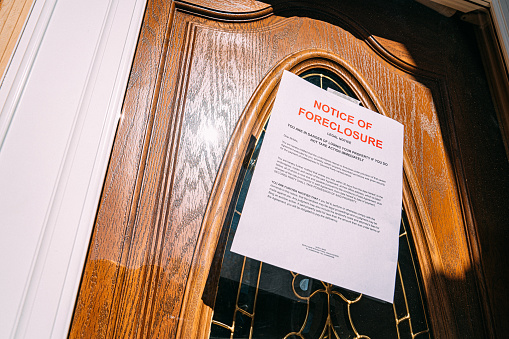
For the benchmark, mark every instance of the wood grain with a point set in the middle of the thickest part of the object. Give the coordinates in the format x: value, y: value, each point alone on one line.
x: 13, y: 14
x: 104, y: 277
x: 225, y: 11
x: 202, y: 84
x: 230, y: 6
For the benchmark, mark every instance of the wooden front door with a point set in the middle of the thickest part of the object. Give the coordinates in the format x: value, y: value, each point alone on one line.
x: 202, y: 83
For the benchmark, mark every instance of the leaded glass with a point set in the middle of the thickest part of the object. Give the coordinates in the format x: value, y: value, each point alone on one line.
x: 258, y: 300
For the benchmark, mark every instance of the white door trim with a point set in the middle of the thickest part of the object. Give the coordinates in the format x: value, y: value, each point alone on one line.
x: 60, y: 103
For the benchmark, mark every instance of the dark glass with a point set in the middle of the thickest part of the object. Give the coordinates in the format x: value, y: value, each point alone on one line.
x: 258, y: 300
x: 326, y: 79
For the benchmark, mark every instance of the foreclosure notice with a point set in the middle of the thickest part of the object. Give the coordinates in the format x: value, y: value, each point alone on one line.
x: 325, y: 198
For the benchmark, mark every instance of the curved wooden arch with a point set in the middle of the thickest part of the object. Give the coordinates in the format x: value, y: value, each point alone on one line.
x: 219, y: 12
x: 195, y: 315
x: 224, y: 15
x: 198, y: 62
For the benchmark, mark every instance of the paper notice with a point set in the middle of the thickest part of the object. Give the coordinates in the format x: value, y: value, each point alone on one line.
x: 325, y: 198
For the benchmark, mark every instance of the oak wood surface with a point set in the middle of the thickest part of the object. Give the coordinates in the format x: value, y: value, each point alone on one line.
x: 13, y: 14
x: 231, y: 6
x: 197, y: 93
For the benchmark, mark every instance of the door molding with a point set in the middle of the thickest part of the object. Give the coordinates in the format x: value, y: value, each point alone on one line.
x: 195, y: 312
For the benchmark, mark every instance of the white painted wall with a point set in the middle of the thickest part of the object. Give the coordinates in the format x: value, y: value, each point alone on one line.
x: 60, y: 102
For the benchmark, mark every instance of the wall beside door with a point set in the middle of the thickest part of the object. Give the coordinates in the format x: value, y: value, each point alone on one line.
x: 60, y: 103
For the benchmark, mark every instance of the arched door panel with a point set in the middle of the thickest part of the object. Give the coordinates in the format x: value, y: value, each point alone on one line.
x: 203, y: 80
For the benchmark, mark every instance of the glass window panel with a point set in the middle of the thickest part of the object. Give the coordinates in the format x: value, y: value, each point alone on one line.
x: 258, y: 300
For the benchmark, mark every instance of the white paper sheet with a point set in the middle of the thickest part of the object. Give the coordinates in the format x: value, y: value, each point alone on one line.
x: 325, y: 198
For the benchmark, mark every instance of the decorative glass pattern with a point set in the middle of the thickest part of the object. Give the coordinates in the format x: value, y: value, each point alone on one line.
x: 258, y: 300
